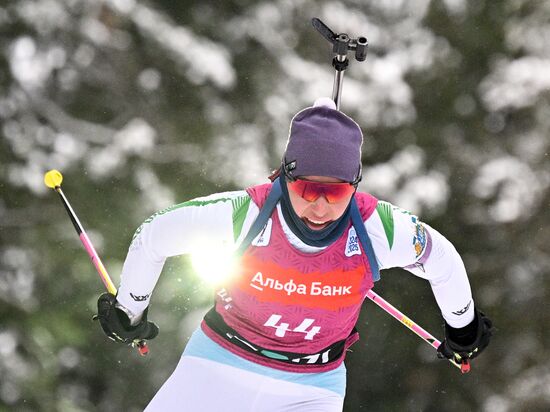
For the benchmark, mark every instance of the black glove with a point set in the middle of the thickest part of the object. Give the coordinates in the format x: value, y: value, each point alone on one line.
x: 467, y: 342
x: 116, y: 324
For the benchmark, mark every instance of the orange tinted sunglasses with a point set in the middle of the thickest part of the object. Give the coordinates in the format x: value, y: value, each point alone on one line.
x: 311, y: 191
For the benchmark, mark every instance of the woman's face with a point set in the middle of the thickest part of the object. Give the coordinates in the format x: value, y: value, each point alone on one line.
x: 320, y: 213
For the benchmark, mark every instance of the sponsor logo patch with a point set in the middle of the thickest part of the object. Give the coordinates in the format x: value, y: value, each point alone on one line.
x: 463, y: 310
x: 138, y: 298
x: 269, y: 282
x: 419, y: 238
x: 352, y: 244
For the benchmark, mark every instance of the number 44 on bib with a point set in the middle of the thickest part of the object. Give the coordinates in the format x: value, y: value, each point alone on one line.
x: 282, y: 328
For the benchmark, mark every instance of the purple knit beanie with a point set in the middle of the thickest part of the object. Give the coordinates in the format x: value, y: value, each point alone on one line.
x: 324, y: 142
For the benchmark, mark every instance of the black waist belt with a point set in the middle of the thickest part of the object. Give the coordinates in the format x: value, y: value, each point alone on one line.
x: 329, y: 354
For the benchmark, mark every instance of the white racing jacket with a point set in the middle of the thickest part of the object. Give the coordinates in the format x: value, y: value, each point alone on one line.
x: 399, y: 239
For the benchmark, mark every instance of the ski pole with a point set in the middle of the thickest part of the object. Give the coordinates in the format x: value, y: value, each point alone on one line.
x: 53, y: 179
x: 464, y: 366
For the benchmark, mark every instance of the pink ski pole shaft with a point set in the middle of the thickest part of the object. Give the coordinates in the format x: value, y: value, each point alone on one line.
x: 424, y: 335
x: 53, y: 179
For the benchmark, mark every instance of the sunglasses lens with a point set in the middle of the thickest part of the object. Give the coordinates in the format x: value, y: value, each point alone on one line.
x: 311, y: 191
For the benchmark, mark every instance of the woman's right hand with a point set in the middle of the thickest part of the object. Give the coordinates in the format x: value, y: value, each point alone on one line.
x: 116, y: 323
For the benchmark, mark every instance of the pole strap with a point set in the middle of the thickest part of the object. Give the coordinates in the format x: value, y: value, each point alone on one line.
x: 364, y: 239
x: 265, y: 212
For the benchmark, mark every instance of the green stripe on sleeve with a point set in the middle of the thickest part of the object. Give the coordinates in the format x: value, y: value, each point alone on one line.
x: 240, y: 209
x: 385, y: 211
x: 195, y: 202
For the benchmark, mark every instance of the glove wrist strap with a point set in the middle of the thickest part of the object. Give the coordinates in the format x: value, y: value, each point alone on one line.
x: 134, y: 319
x: 466, y: 335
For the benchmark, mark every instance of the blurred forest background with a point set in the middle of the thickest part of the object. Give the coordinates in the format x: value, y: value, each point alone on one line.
x: 146, y: 104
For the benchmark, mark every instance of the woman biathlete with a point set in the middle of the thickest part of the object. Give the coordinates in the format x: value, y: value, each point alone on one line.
x: 309, y: 247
